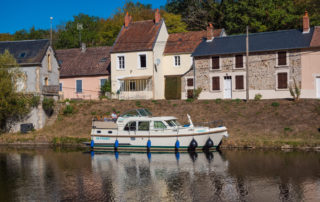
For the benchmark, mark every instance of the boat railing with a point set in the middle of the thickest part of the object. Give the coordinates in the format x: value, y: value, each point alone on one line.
x: 210, y: 124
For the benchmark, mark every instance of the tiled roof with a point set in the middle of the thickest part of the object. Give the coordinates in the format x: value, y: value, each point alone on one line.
x: 138, y: 36
x: 315, y: 42
x: 264, y: 41
x: 28, y: 52
x: 93, y: 62
x: 186, y: 42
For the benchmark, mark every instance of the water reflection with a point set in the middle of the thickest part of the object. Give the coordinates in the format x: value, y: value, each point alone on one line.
x: 48, y: 175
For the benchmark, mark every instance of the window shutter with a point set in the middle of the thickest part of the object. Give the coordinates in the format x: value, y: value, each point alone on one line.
x: 282, y: 80
x: 190, y: 82
x: 239, y: 61
x: 239, y: 82
x: 215, y: 63
x: 79, y: 86
x: 282, y: 58
x: 215, y: 83
x: 190, y: 93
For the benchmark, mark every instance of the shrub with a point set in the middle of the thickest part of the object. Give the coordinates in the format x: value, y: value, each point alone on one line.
x: 275, y: 104
x: 138, y: 103
x: 93, y: 113
x: 106, y: 87
x: 218, y: 101
x: 197, y: 93
x: 35, y: 101
x: 257, y: 97
x: 68, y: 110
x: 189, y: 100
x: 47, y: 105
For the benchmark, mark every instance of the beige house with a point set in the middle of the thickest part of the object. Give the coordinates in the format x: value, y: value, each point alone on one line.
x: 136, y: 59
x: 276, y: 60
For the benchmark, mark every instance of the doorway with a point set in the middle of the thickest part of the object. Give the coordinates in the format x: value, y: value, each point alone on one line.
x: 227, y: 87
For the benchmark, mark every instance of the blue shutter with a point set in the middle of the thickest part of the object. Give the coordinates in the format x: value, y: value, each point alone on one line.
x: 102, y: 82
x: 79, y: 86
x: 60, y: 87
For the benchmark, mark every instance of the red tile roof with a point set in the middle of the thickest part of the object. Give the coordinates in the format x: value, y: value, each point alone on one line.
x: 315, y: 41
x: 186, y: 42
x: 138, y: 36
x: 93, y: 62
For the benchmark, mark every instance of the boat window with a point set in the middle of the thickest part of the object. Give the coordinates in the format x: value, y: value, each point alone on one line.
x: 130, y: 113
x: 170, y: 123
x: 130, y: 126
x: 143, y: 125
x: 142, y: 112
x: 176, y: 123
x: 159, y: 124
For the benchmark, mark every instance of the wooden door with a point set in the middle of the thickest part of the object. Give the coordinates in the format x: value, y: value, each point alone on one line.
x: 173, y: 87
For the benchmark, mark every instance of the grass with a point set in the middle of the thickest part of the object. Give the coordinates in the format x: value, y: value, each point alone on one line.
x: 249, y: 124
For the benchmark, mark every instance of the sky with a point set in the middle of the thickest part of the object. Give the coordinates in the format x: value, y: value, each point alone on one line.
x: 22, y: 14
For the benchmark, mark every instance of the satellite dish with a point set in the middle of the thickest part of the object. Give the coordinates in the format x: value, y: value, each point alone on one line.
x: 158, y: 61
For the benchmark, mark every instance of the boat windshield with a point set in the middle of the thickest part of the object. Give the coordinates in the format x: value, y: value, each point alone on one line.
x: 173, y: 123
x: 137, y: 112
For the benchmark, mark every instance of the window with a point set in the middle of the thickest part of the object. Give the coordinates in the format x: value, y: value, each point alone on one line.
x: 102, y: 82
x: 79, y: 86
x: 60, y: 87
x: 131, y: 126
x: 46, y: 81
x: 121, y: 62
x: 142, y: 60
x: 216, y: 83
x: 282, y: 58
x: 132, y: 85
x: 190, y: 82
x: 283, y: 80
x: 143, y: 125
x: 159, y: 125
x: 176, y: 61
x: 135, y: 85
x: 239, y: 83
x: 22, y: 55
x: 190, y: 94
x: 215, y: 62
x: 49, y: 63
x: 239, y: 61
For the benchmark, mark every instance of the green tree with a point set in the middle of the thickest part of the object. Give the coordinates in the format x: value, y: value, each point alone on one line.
x: 174, y: 23
x: 13, y: 105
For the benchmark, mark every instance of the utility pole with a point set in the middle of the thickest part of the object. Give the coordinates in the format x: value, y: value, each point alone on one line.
x: 247, y: 65
x: 51, y: 18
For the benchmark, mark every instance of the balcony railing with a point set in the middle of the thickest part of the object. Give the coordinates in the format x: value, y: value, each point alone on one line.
x: 50, y: 90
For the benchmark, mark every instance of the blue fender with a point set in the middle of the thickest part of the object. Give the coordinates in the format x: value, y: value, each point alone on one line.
x: 92, y: 144
x: 116, y: 154
x: 149, y: 144
x: 178, y: 155
x: 116, y: 144
x: 177, y: 144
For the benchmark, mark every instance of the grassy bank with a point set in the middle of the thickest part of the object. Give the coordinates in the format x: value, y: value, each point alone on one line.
x: 264, y: 123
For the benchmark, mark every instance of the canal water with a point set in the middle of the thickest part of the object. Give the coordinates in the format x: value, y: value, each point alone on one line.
x: 233, y: 175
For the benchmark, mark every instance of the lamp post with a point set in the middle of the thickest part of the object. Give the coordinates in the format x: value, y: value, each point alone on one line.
x: 51, y: 18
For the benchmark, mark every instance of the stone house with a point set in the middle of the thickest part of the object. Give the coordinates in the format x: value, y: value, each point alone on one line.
x: 40, y: 74
x: 276, y: 60
x: 83, y: 71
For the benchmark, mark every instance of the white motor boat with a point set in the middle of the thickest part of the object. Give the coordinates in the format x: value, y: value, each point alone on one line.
x: 138, y: 130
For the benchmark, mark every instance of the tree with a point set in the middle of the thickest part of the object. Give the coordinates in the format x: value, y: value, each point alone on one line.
x: 174, y: 23
x: 13, y: 105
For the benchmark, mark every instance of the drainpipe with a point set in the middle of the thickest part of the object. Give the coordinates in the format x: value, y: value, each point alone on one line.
x: 194, y: 77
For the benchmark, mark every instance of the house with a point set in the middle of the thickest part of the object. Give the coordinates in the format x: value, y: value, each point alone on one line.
x: 40, y: 74
x: 277, y: 60
x: 148, y: 63
x: 178, y: 61
x: 136, y: 56
x: 83, y: 71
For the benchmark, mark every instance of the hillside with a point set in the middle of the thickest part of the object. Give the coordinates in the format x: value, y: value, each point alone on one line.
x: 264, y: 123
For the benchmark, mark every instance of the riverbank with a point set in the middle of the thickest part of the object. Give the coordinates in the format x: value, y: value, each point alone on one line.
x: 257, y: 124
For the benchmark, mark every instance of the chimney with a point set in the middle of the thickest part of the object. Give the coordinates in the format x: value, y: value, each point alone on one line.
x: 305, y: 22
x: 209, y: 32
x: 83, y: 47
x: 157, y: 16
x: 127, y: 20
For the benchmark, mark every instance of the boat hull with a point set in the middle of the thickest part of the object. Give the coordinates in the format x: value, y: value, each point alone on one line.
x: 157, y: 142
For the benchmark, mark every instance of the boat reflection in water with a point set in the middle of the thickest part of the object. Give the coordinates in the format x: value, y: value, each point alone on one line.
x: 158, y: 176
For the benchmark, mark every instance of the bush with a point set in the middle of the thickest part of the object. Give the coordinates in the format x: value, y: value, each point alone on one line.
x: 218, y: 101
x: 257, y: 97
x: 68, y: 110
x: 197, y: 93
x: 47, y: 105
x: 275, y: 104
x: 35, y: 101
x: 189, y: 100
x: 138, y: 103
x: 106, y: 87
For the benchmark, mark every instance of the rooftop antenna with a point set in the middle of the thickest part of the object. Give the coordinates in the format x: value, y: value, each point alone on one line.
x: 79, y: 27
x: 51, y: 18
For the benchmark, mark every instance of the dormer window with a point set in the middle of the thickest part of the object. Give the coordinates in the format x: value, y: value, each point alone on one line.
x: 22, y: 55
x: 177, y: 61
